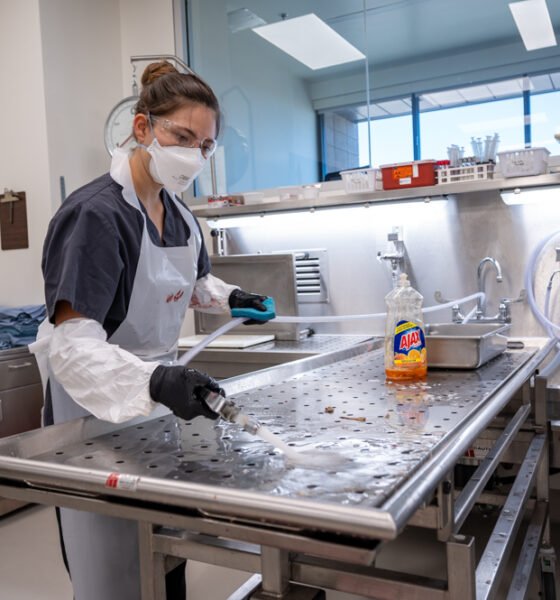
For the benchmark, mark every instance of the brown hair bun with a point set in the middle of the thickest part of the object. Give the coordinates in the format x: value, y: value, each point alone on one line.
x: 156, y: 70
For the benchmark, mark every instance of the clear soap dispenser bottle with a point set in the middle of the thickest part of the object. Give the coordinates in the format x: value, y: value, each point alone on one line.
x: 405, y: 343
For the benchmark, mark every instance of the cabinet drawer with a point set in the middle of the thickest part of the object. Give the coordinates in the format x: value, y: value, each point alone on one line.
x: 20, y: 409
x: 19, y: 371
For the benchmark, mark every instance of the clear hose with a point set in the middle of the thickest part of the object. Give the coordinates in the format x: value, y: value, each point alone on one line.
x: 188, y: 356
x: 551, y: 328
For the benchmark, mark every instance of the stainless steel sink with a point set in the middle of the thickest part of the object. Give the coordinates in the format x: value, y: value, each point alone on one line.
x: 468, y: 346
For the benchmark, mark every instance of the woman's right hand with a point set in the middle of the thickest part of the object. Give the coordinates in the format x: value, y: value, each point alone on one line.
x: 183, y: 391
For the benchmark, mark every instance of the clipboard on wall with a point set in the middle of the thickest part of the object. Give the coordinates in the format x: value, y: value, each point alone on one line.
x: 13, y: 221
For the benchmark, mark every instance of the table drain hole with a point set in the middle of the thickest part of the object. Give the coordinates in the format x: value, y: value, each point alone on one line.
x: 152, y: 466
x: 147, y: 451
x: 311, y: 486
x: 251, y: 464
x: 195, y: 434
x: 119, y: 462
x: 116, y: 434
x: 214, y: 460
x: 162, y: 420
x: 140, y: 427
x: 167, y: 431
x: 291, y: 444
x: 226, y: 476
x: 88, y: 457
x: 189, y: 471
x: 88, y: 444
x: 237, y: 450
x: 59, y: 453
x: 144, y: 439
x: 117, y: 447
x: 204, y: 447
x: 180, y: 456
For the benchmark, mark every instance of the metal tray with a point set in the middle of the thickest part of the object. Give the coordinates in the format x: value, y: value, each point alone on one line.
x: 468, y: 346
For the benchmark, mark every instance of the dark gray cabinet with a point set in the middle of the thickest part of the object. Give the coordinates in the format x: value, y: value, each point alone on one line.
x: 21, y: 399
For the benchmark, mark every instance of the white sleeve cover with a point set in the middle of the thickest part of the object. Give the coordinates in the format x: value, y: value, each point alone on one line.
x: 211, y: 295
x: 109, y: 382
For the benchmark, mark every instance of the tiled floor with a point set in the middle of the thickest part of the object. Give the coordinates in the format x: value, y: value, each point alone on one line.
x: 31, y: 566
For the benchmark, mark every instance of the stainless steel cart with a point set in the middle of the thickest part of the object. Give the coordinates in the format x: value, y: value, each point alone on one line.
x: 214, y: 493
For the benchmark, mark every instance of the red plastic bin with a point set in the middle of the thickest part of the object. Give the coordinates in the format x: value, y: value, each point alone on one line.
x: 410, y: 174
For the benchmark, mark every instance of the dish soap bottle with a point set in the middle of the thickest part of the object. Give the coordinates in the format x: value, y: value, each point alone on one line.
x: 405, y: 344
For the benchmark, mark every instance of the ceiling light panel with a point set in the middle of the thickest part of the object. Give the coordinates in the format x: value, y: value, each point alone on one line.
x: 242, y: 18
x: 533, y: 22
x: 311, y: 41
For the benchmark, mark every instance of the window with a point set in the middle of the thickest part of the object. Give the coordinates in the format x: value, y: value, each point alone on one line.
x: 449, y: 117
x: 441, y: 128
x: 391, y: 141
x: 545, y: 120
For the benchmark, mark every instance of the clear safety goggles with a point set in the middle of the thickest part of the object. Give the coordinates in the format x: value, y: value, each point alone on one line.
x: 185, y: 137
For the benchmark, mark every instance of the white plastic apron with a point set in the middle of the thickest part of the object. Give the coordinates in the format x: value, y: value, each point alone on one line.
x: 103, y: 551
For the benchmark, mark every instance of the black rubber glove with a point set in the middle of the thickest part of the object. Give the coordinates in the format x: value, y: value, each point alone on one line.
x: 183, y: 391
x: 240, y: 299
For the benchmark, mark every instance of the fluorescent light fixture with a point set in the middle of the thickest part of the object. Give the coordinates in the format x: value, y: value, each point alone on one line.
x: 242, y: 18
x: 533, y: 21
x: 311, y: 41
x: 531, y: 195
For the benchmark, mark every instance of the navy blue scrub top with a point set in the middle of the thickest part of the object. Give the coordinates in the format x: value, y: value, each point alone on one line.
x: 92, y: 249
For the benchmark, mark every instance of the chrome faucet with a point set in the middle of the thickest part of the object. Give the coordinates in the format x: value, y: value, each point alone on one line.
x: 395, y: 254
x: 481, y: 302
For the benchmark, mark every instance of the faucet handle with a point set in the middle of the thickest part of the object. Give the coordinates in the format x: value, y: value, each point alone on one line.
x: 438, y: 297
x: 521, y: 298
x: 505, y: 303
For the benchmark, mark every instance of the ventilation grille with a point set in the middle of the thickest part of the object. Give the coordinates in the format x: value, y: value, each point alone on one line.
x: 311, y: 272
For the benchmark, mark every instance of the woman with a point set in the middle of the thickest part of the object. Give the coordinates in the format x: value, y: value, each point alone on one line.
x: 122, y: 260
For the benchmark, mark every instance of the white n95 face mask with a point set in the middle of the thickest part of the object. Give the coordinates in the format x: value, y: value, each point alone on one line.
x: 175, y: 167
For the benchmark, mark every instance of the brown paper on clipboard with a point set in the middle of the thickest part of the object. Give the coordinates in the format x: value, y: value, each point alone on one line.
x: 13, y: 224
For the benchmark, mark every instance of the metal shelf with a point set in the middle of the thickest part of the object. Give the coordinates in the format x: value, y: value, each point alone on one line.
x: 420, y: 194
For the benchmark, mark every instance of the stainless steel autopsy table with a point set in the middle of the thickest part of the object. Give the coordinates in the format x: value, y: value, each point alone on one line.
x: 214, y: 493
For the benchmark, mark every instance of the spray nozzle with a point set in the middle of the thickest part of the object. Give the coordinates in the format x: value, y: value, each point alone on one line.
x: 229, y: 411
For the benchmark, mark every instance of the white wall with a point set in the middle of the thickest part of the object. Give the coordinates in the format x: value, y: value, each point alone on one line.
x: 24, y: 160
x: 82, y: 82
x: 146, y: 27
x: 64, y: 64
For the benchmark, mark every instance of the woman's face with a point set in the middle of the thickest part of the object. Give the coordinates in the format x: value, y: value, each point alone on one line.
x: 191, y: 126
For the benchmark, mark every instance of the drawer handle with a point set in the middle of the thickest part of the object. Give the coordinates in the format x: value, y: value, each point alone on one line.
x: 20, y: 366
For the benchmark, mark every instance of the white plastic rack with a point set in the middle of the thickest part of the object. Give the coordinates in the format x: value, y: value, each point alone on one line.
x: 476, y: 172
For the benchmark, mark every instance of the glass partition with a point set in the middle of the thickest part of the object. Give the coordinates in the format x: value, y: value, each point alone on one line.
x: 296, y: 111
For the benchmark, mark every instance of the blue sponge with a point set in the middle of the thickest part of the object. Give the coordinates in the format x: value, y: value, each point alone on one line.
x: 254, y: 313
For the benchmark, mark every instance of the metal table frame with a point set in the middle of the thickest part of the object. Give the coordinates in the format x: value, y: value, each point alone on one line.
x: 225, y: 528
